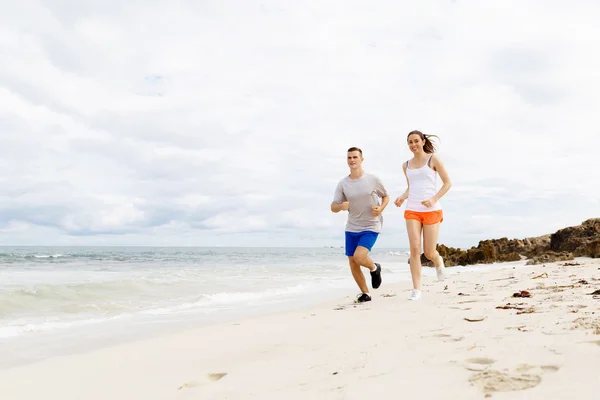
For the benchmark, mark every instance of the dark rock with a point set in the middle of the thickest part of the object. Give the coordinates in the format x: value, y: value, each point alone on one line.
x: 550, y: 257
x: 582, y: 240
x: 522, y: 293
x: 563, y: 245
x: 590, y: 249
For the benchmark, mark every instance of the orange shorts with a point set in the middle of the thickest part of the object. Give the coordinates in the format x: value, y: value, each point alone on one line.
x: 426, y: 217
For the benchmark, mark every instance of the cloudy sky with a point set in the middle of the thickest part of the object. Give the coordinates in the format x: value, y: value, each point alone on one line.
x: 220, y: 122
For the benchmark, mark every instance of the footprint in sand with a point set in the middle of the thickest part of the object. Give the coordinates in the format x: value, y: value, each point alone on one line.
x: 189, y: 385
x: 535, y: 369
x: 550, y: 368
x: 478, y: 363
x: 521, y: 328
x: 209, y: 378
x: 481, y: 360
x: 217, y: 376
x: 448, y: 338
x: 490, y: 381
x: 587, y: 323
x: 524, y: 376
x: 575, y: 308
x: 474, y: 301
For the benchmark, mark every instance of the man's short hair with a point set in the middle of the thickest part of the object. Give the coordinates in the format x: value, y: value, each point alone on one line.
x: 355, y: 149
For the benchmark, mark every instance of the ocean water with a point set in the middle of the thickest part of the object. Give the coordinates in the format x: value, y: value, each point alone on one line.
x: 62, y: 300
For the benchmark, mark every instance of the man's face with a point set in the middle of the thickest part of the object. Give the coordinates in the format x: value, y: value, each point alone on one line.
x: 354, y: 159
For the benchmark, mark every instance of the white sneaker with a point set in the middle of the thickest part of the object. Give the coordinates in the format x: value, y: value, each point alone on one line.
x: 415, y: 295
x: 441, y: 270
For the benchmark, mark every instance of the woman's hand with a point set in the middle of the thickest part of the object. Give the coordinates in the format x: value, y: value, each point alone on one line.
x: 429, y: 202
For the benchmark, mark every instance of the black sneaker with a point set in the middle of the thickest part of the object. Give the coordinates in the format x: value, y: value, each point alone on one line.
x: 361, y: 298
x: 376, y: 276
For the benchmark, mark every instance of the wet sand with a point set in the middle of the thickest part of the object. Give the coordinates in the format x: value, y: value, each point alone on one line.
x: 468, y: 338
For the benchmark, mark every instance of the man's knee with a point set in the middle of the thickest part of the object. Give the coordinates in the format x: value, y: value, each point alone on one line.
x: 361, y: 258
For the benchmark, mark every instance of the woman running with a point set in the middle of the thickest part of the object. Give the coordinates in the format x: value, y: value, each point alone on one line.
x: 423, y: 212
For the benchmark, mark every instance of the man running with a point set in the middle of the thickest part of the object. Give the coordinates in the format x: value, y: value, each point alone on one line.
x: 358, y: 193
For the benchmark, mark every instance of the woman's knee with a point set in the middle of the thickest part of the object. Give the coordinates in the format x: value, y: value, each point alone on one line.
x: 431, y: 254
x: 415, y: 250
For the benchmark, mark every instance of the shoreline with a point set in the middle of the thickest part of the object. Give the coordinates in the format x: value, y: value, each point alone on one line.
x: 22, y: 350
x: 340, y: 350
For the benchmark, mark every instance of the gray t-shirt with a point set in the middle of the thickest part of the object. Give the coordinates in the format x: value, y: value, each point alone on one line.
x: 362, y: 193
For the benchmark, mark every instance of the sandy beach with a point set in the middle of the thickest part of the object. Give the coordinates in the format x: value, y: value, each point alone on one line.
x: 468, y: 338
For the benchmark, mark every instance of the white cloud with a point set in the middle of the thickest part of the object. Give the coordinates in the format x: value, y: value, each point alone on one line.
x: 226, y: 123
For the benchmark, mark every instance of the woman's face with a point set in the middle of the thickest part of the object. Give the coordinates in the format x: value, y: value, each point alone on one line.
x: 415, y: 143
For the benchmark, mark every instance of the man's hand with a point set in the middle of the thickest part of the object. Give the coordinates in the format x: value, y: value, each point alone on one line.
x: 429, y: 202
x: 377, y: 210
x: 345, y: 206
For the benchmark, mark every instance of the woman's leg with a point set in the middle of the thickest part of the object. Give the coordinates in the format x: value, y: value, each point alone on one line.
x: 413, y: 227
x: 430, y: 239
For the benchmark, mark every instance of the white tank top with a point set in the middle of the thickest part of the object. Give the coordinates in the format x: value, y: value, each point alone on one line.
x: 422, y: 186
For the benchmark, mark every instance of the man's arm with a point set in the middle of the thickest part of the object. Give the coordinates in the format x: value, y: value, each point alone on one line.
x: 339, y: 202
x: 384, y: 202
x: 385, y: 198
x: 339, y: 207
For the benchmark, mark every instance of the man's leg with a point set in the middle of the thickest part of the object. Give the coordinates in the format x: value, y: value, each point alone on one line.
x: 351, y: 244
x: 361, y: 256
x: 358, y: 276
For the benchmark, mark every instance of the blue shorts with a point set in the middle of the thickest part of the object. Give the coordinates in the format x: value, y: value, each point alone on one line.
x: 354, y: 239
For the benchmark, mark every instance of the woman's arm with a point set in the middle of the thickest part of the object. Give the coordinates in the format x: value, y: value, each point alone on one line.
x: 400, y: 199
x: 438, y: 166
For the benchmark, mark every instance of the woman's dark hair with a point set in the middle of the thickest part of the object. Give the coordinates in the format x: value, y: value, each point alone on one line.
x: 428, y: 147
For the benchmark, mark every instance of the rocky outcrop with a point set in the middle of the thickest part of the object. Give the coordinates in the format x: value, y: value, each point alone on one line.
x: 549, y: 257
x: 582, y: 240
x: 565, y: 244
